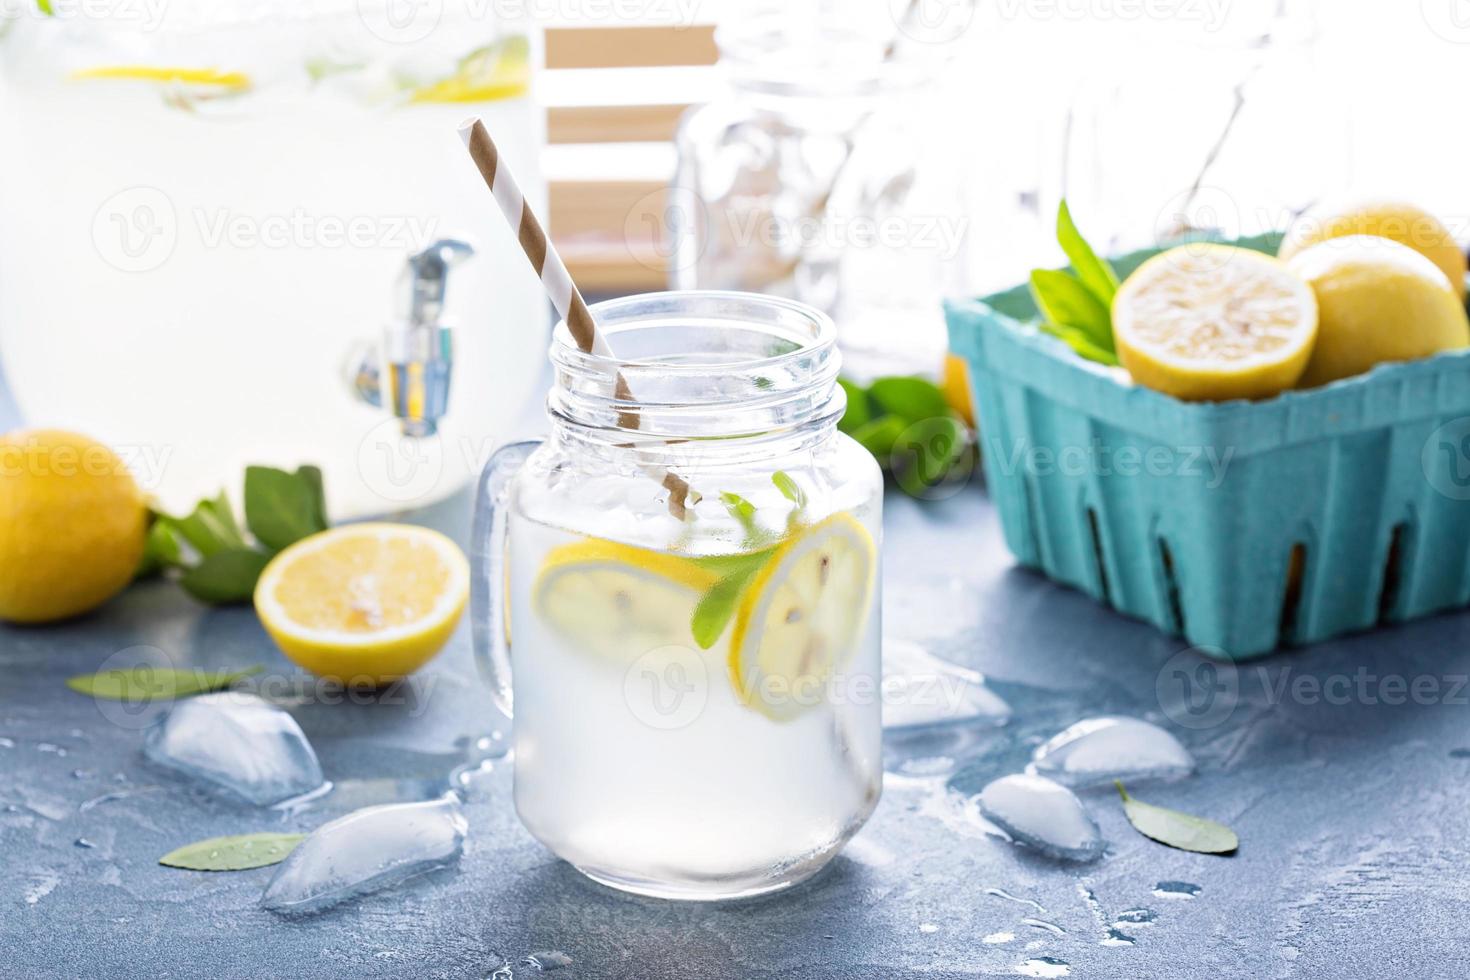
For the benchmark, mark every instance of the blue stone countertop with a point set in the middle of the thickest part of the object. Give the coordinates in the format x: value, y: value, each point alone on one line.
x: 1351, y: 799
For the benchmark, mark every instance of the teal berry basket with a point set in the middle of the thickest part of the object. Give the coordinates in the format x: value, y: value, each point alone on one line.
x: 1242, y: 526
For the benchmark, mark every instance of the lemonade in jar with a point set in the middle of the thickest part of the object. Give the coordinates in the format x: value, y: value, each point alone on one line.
x: 685, y: 589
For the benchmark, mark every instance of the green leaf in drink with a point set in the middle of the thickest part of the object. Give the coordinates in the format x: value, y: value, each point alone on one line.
x: 789, y: 488
x: 1180, y: 830
x: 281, y: 508
x: 715, y: 608
x: 146, y: 683
x: 239, y: 853
x: 225, y: 576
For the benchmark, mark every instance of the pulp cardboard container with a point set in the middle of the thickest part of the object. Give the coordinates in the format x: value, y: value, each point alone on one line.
x: 1242, y: 526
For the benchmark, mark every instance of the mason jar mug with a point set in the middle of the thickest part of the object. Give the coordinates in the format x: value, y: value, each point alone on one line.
x: 683, y: 583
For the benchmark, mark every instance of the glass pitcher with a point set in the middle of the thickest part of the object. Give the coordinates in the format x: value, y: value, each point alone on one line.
x: 696, y: 688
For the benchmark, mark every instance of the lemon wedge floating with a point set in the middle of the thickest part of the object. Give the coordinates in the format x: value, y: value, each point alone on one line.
x: 801, y: 616
x: 213, y: 77
x: 364, y: 601
x: 1210, y: 322
x: 618, y: 601
x: 498, y: 71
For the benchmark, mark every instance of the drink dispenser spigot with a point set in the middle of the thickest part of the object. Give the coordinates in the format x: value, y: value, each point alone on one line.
x: 418, y: 349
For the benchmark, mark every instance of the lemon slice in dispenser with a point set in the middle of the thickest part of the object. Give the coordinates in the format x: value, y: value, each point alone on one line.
x: 802, y: 617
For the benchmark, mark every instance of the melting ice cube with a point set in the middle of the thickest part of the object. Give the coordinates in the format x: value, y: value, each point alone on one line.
x: 367, y: 850
x: 237, y: 741
x: 1042, y: 814
x: 1098, y: 750
x: 921, y: 691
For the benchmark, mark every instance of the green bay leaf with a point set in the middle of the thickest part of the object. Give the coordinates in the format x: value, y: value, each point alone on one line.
x: 1180, y: 830
x: 147, y: 683
x: 238, y: 853
x: 225, y: 576
x: 909, y: 399
x: 281, y: 508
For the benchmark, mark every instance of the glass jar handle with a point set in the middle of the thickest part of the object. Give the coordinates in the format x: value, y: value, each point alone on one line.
x: 490, y: 639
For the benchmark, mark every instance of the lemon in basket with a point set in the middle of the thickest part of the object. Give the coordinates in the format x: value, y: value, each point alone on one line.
x: 1395, y: 220
x: 1379, y: 301
x: 1209, y: 322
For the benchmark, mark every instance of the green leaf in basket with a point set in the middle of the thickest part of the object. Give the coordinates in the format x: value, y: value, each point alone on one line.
x: 146, y: 683
x: 1181, y: 830
x: 238, y: 853
x: 1065, y: 302
x: 910, y: 399
x: 1095, y: 273
x: 859, y: 409
x: 1080, y: 343
x: 225, y: 576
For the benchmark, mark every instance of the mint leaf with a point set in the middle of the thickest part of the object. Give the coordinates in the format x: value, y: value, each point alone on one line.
x: 1181, y: 830
x: 910, y: 399
x: 45, y: 7
x: 161, y: 549
x: 859, y: 409
x: 1065, y: 302
x: 233, y: 853
x: 789, y: 488
x: 210, y: 528
x: 879, y: 435
x: 927, y: 452
x: 1080, y: 343
x: 225, y: 576
x: 716, y: 606
x: 146, y: 683
x: 1095, y: 273
x: 280, y: 507
x: 312, y: 477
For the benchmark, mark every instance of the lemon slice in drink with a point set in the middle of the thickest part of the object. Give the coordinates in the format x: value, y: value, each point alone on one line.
x: 1214, y: 322
x: 802, y: 616
x: 364, y: 601
x: 618, y: 601
x: 206, y: 77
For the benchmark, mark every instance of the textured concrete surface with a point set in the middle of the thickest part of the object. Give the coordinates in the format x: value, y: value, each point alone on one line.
x: 1348, y: 785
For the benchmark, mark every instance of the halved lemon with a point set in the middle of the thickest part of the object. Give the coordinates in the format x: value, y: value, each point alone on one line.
x: 616, y: 600
x: 364, y: 602
x: 1208, y: 322
x: 802, y: 616
x: 235, y: 80
x: 498, y: 71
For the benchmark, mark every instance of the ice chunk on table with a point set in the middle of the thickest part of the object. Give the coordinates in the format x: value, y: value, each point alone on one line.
x: 1039, y: 813
x: 367, y: 850
x: 1099, y: 750
x: 921, y: 691
x: 239, y: 742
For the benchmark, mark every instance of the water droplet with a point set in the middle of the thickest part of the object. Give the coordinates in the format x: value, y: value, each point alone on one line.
x: 1136, y: 916
x: 52, y: 748
x: 1002, y: 893
x: 83, y: 842
x: 548, y: 960
x: 1116, y: 938
x: 998, y: 938
x: 82, y: 774
x: 1043, y: 966
x: 1177, y: 889
x: 928, y: 927
x: 1044, y: 926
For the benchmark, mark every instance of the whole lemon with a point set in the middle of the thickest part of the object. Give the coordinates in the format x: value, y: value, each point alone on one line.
x: 72, y: 525
x: 1377, y: 301
x: 1397, y: 221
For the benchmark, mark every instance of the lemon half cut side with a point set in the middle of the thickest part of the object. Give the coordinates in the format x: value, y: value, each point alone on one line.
x: 1208, y: 322
x: 364, y: 602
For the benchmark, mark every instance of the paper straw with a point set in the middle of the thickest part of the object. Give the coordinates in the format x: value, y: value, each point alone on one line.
x: 558, y: 284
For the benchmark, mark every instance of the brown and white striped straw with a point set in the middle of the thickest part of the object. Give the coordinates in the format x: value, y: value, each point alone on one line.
x: 558, y: 283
